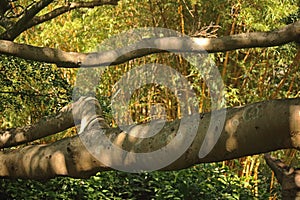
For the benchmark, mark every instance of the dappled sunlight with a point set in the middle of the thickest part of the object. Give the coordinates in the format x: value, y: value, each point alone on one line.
x: 4, y: 137
x: 155, y: 87
x: 295, y: 125
x: 58, y: 163
x: 166, y: 43
x: 231, y: 128
x: 120, y: 139
x: 202, y: 42
x: 31, y: 160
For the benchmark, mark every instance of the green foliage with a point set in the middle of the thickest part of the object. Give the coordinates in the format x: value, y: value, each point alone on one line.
x: 30, y: 90
x: 206, y: 181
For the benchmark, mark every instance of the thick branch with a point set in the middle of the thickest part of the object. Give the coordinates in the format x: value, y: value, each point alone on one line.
x: 30, y: 19
x: 45, y: 127
x: 20, y: 26
x: 49, y: 126
x: 70, y: 6
x: 285, y: 35
x: 244, y: 127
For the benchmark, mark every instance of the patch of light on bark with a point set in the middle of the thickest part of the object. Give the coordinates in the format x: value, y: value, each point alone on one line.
x: 202, y: 42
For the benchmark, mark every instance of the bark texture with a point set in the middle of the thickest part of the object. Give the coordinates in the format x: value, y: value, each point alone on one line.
x: 252, y: 129
x: 289, y: 33
x: 45, y: 127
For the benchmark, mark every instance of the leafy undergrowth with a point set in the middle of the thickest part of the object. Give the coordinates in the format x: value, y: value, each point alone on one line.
x: 206, y: 181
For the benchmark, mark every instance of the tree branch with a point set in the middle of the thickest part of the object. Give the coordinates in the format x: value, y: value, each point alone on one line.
x: 45, y: 127
x: 244, y: 126
x: 288, y: 177
x: 49, y: 126
x: 70, y: 6
x: 20, y: 26
x: 30, y: 19
x: 4, y: 6
x: 289, y: 33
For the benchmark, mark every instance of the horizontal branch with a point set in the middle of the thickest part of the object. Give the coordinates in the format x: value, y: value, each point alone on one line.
x: 244, y: 133
x: 66, y: 8
x: 66, y: 118
x: 289, y: 33
x: 29, y: 19
x: 20, y: 25
x: 45, y: 127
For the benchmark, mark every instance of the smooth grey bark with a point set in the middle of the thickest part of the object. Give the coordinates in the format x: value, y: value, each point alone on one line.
x: 45, y: 127
x: 252, y: 129
x: 289, y: 33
